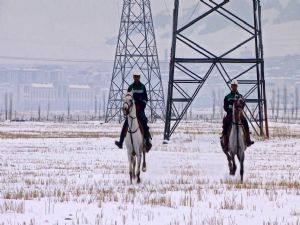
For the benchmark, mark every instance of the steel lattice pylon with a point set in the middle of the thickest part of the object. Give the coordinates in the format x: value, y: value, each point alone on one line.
x: 136, y: 50
x: 182, y: 73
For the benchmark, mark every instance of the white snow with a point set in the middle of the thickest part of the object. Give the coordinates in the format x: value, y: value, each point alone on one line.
x: 79, y: 86
x: 36, y: 85
x: 60, y: 173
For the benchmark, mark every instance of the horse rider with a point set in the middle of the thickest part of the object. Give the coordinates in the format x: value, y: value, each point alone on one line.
x: 140, y: 99
x: 227, y: 120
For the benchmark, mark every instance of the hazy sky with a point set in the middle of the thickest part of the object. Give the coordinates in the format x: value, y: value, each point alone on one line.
x: 85, y: 29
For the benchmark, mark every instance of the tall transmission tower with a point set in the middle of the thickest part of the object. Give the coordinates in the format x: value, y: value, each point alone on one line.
x: 136, y: 50
x: 185, y: 77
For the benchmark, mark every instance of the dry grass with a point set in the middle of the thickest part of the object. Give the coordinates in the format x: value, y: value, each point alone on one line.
x: 80, y: 173
x: 283, y: 132
x: 279, y: 185
x: 295, y: 212
x: 213, y: 221
x: 232, y: 203
x: 10, y: 206
x: 34, y: 134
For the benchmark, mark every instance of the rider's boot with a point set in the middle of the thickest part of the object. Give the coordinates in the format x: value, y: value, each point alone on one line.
x: 147, y: 138
x: 122, y: 136
x: 248, y: 140
x: 148, y: 143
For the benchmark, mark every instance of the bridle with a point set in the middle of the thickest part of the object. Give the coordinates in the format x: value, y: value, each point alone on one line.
x: 238, y: 107
x: 128, y: 111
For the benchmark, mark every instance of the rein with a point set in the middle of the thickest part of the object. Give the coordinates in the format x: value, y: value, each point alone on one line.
x: 132, y: 118
x: 236, y: 123
x: 130, y: 131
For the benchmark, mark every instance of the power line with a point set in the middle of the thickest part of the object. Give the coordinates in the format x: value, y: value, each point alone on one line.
x: 190, y: 17
x: 167, y: 8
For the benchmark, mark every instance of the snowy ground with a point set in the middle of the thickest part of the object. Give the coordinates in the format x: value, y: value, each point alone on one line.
x: 52, y: 173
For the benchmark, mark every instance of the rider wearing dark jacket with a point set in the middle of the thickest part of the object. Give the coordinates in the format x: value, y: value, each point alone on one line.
x: 140, y: 99
x: 227, y: 120
x: 139, y: 95
x: 229, y: 99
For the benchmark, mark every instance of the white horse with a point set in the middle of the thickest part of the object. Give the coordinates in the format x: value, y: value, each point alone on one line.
x: 237, y: 142
x: 134, y: 139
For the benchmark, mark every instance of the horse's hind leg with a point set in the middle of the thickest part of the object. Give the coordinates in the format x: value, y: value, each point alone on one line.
x: 144, y: 162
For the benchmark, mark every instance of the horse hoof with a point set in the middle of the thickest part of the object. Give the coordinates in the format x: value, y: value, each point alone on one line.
x: 138, y: 180
x: 232, y: 172
x: 144, y: 169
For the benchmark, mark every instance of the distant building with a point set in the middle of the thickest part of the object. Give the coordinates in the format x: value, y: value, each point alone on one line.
x: 51, y: 87
x: 80, y: 96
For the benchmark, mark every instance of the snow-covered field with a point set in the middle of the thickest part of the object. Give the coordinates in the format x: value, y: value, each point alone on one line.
x: 52, y: 173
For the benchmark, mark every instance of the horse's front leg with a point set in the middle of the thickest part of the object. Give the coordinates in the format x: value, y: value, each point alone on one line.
x: 133, y: 166
x: 139, y: 158
x: 228, y: 159
x: 233, y: 168
x: 242, y: 170
x: 241, y: 159
x: 130, y: 161
x: 144, y: 161
x: 130, y: 171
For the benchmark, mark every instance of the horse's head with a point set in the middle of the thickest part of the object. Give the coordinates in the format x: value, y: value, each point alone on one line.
x: 238, y: 105
x: 128, y: 103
